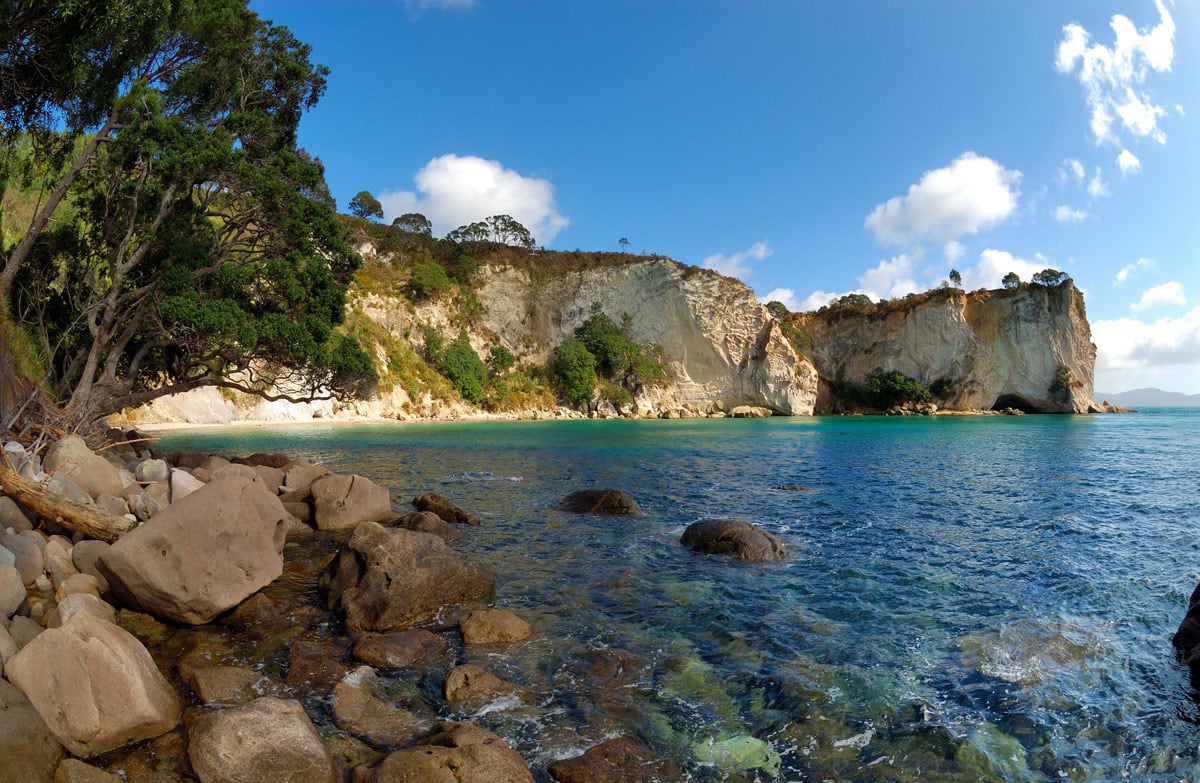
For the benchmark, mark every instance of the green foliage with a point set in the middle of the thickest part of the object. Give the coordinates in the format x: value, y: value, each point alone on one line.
x: 518, y: 390
x: 501, y: 229
x: 1050, y: 277
x: 777, y: 310
x: 1063, y: 380
x: 800, y: 340
x: 414, y: 223
x: 955, y: 278
x: 194, y: 240
x: 882, y: 390
x: 463, y: 368
x: 428, y: 281
x: 460, y: 269
x: 573, y: 370
x: 853, y: 300
x: 366, y: 206
x: 1011, y: 281
x: 500, y: 360
x: 617, y: 357
x: 943, y: 389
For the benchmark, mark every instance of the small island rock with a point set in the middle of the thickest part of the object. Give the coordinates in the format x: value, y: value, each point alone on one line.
x: 599, y: 501
x: 745, y: 541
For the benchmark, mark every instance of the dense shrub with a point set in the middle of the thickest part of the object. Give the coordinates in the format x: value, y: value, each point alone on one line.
x: 882, y: 390
x: 428, y: 281
x: 618, y: 358
x: 463, y: 367
x: 499, y: 360
x: 573, y: 369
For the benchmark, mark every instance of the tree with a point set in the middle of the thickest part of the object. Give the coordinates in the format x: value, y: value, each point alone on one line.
x: 463, y: 367
x: 500, y: 360
x: 777, y: 309
x: 1050, y: 277
x: 366, y: 206
x: 955, y: 278
x: 508, y: 231
x: 472, y: 232
x: 414, y: 223
x: 201, y: 246
x: 624, y: 243
x: 1011, y: 280
x: 574, y: 370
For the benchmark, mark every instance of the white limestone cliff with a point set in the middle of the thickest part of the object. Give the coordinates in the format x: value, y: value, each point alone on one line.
x: 1000, y: 348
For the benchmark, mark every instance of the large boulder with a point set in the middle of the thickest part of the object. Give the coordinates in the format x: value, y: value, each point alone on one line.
x: 94, y: 685
x: 341, y: 502
x: 390, y: 578
x: 599, y: 501
x: 70, y: 458
x: 202, y: 555
x: 456, y: 753
x: 745, y: 541
x: 28, y: 750
x: 1187, y: 637
x: 267, y: 739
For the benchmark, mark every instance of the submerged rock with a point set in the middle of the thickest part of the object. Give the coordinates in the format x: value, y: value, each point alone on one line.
x: 745, y: 541
x: 615, y: 761
x: 599, y: 501
x: 400, y: 649
x: 389, y: 579
x: 737, y: 753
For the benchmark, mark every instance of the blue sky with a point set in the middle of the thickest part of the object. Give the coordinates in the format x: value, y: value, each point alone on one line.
x: 811, y: 148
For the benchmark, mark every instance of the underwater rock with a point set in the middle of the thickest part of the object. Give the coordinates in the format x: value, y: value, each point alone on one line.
x: 427, y: 522
x: 401, y: 649
x: 991, y: 755
x: 737, y: 753
x: 615, y: 761
x: 599, y: 501
x: 745, y: 541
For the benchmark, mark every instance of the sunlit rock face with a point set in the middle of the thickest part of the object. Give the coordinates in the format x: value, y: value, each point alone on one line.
x: 722, y: 347
x: 1000, y: 349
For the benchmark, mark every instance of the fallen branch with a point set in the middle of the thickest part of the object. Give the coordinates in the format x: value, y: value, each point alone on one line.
x: 90, y: 521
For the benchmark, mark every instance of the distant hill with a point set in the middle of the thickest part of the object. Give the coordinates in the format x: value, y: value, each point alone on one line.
x: 1150, y: 398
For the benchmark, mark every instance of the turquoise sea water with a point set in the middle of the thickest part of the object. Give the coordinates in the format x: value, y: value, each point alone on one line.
x: 967, y: 598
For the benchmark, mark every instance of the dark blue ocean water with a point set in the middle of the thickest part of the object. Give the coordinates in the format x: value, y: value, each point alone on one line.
x: 967, y: 598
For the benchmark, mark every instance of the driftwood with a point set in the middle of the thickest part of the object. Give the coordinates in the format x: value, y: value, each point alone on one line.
x: 90, y: 521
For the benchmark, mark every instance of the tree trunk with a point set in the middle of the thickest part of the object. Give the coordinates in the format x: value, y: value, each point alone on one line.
x: 90, y: 521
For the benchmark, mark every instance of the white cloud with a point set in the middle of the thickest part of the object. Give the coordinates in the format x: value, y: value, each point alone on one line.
x: 1126, y: 272
x: 785, y: 296
x: 738, y: 264
x: 1065, y: 214
x: 995, y: 264
x: 1160, y: 296
x: 1097, y: 187
x: 1128, y: 163
x: 1071, y: 170
x: 891, y: 278
x: 1112, y: 78
x: 953, y: 250
x: 1128, y: 343
x: 454, y: 190
x: 971, y: 194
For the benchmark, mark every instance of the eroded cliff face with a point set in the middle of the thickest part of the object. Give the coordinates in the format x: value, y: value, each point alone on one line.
x: 723, y: 348
x: 1028, y: 348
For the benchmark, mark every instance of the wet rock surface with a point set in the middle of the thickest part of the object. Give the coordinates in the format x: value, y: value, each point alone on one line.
x: 739, y: 539
x: 599, y: 501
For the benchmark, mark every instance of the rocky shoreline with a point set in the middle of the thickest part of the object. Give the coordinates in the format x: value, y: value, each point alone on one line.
x: 128, y: 660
